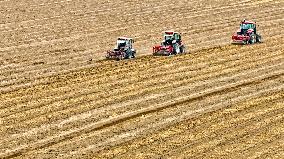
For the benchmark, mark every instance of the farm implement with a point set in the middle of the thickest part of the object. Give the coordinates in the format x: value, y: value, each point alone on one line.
x: 171, y: 45
x: 246, y: 34
x: 123, y: 49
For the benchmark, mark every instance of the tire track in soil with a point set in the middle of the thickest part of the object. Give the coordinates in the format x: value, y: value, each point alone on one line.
x: 122, y: 70
x: 229, y: 113
x: 250, y: 130
x: 275, y: 152
x: 201, y: 38
x: 38, y: 69
x: 263, y: 148
x: 66, y: 135
x: 79, y: 55
x: 170, y: 72
x: 39, y: 115
x: 92, y: 147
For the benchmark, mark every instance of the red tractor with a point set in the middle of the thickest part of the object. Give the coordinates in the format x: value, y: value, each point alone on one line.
x: 123, y: 49
x: 171, y: 44
x: 246, y: 34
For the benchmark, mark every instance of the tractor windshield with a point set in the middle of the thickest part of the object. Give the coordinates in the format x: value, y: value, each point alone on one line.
x: 168, y: 37
x: 168, y: 40
x: 121, y: 43
x: 247, y: 26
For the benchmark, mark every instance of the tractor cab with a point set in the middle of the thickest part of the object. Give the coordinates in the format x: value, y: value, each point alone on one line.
x: 171, y: 37
x: 247, y: 27
x: 246, y: 34
x: 123, y: 50
x: 171, y: 44
x: 124, y: 43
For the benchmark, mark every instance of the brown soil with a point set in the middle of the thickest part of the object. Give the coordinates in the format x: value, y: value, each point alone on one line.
x: 218, y: 101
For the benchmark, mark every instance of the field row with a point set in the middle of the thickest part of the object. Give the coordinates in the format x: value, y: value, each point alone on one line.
x: 59, y: 64
x: 86, y: 140
x: 55, y: 94
x: 199, y: 86
x: 58, y: 98
x: 98, y: 8
x: 98, y: 31
x: 87, y: 85
x: 252, y: 126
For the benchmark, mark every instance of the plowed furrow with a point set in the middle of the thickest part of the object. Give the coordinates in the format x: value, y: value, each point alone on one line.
x: 274, y: 152
x: 269, y: 13
x: 60, y: 99
x: 153, y: 78
x: 249, y: 134
x: 135, y: 113
x: 114, y: 75
x: 30, y: 69
x: 120, y: 27
x: 116, y: 138
x: 131, y: 12
x: 265, y: 146
x: 249, y: 130
x: 100, y: 9
x: 80, y: 55
x: 39, y: 112
x: 194, y: 132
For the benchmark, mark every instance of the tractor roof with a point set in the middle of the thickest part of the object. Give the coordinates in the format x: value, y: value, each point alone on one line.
x: 170, y: 32
x: 247, y: 22
x: 123, y: 38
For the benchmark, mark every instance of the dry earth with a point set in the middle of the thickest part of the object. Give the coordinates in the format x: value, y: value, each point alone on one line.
x: 59, y: 98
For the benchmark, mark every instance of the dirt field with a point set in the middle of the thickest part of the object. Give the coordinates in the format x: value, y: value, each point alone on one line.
x: 59, y: 98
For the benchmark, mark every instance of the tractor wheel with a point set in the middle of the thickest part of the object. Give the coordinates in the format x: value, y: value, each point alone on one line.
x: 132, y: 53
x: 252, y: 39
x: 245, y: 42
x: 177, y: 49
x: 127, y: 54
x: 258, y: 38
x: 182, y: 49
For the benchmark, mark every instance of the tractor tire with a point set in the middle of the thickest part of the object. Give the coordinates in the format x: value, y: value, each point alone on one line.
x: 182, y: 49
x: 258, y: 38
x: 177, y: 49
x: 252, y: 39
x: 127, y: 55
x: 133, y: 53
